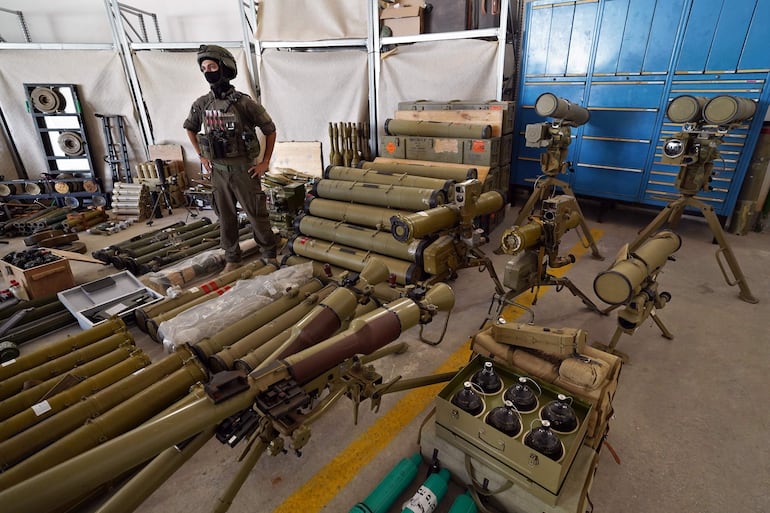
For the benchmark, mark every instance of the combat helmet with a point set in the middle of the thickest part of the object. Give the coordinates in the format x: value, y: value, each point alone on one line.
x: 222, y: 56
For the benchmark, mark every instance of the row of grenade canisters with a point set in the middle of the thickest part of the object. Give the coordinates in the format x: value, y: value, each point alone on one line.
x: 30, y: 258
x: 349, y: 144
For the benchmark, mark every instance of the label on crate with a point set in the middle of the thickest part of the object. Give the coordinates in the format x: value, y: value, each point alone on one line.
x: 41, y: 408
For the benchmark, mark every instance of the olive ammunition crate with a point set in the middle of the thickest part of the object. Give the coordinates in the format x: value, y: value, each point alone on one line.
x: 393, y: 146
x: 117, y: 295
x: 43, y: 280
x: 508, y: 108
x: 509, y: 452
x: 481, y: 152
x: 477, y: 152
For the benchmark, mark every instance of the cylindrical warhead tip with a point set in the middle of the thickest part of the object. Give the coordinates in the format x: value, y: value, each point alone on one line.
x: 686, y: 109
x: 550, y: 106
x: 375, y: 271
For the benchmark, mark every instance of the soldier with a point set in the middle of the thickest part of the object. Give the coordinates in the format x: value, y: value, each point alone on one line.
x: 228, y: 149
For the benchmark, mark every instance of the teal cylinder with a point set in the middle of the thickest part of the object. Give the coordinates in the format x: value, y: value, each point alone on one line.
x: 429, y: 495
x: 464, y: 504
x: 391, y: 486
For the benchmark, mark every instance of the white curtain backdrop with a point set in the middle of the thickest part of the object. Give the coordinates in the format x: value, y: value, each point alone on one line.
x: 102, y: 88
x: 311, y: 20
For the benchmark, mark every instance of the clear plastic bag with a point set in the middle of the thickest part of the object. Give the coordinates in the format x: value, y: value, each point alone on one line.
x: 198, y: 266
x: 244, y: 298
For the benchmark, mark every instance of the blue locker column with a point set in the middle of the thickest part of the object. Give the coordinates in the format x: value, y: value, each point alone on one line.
x: 633, y: 58
x: 723, y: 51
x: 558, y: 40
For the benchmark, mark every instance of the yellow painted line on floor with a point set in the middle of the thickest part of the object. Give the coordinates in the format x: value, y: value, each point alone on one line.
x: 335, y: 475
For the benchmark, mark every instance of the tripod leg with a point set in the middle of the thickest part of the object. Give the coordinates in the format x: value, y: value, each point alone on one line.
x: 566, y: 282
x: 660, y: 325
x: 529, y: 206
x: 661, y: 219
x: 610, y: 348
x: 719, y: 235
x: 586, y: 231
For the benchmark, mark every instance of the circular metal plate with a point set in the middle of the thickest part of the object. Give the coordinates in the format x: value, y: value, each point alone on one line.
x: 71, y: 144
x: 47, y: 100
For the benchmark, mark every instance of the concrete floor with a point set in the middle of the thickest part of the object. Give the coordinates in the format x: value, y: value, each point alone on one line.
x: 690, y: 416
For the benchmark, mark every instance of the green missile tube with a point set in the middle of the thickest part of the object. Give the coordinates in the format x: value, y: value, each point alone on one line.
x: 353, y: 174
x: 391, y: 196
x: 420, y: 128
x: 389, y: 489
x: 417, y: 225
x: 123, y: 417
x: 106, y: 254
x: 183, y: 232
x: 144, y: 483
x: 142, y: 314
x: 40, y: 327
x: 351, y: 258
x: 458, y: 174
x: 361, y: 238
x: 35, y: 394
x: 230, y: 335
x: 61, y: 483
x: 429, y: 495
x: 34, y: 304
x: 250, y: 350
x: 61, y: 347
x: 464, y: 504
x: 63, y: 400
x: 186, y: 240
x: 40, y: 435
x: 364, y: 215
x: 62, y: 364
x: 332, y: 313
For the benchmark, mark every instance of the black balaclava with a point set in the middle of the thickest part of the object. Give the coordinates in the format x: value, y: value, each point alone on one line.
x: 219, y: 84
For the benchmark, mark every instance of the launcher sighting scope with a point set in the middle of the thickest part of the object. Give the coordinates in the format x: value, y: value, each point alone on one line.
x: 550, y: 106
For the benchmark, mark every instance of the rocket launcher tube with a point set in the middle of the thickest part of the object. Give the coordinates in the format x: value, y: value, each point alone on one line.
x: 352, y: 174
x: 355, y: 213
x: 61, y: 347
x: 325, y: 319
x: 395, y: 196
x: 125, y: 415
x: 366, y: 334
x: 457, y: 173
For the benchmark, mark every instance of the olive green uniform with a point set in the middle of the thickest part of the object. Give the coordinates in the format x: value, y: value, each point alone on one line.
x: 230, y: 177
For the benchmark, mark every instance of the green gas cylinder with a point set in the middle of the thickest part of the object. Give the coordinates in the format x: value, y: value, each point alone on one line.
x: 429, y: 495
x: 464, y: 504
x: 392, y: 485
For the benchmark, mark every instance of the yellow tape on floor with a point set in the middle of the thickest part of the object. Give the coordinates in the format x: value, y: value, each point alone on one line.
x: 335, y: 475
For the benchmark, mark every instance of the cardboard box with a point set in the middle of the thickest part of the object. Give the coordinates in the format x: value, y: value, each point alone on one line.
x: 43, y: 280
x: 403, y: 19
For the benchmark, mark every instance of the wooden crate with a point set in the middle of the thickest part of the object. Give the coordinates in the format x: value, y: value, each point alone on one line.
x: 43, y: 280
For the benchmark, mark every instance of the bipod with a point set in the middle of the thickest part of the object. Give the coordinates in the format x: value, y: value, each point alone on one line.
x: 671, y: 214
x: 543, y: 188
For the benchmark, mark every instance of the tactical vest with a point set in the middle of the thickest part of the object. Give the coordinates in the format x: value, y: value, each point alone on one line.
x: 226, y: 137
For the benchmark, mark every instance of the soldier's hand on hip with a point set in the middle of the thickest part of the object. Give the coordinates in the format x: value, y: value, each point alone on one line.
x: 259, y: 169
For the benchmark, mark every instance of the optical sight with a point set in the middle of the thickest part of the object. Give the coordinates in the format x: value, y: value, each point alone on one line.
x: 550, y: 106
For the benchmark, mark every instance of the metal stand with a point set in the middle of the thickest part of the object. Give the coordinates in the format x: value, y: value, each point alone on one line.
x: 651, y: 312
x: 672, y: 213
x: 117, y: 152
x: 543, y: 189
